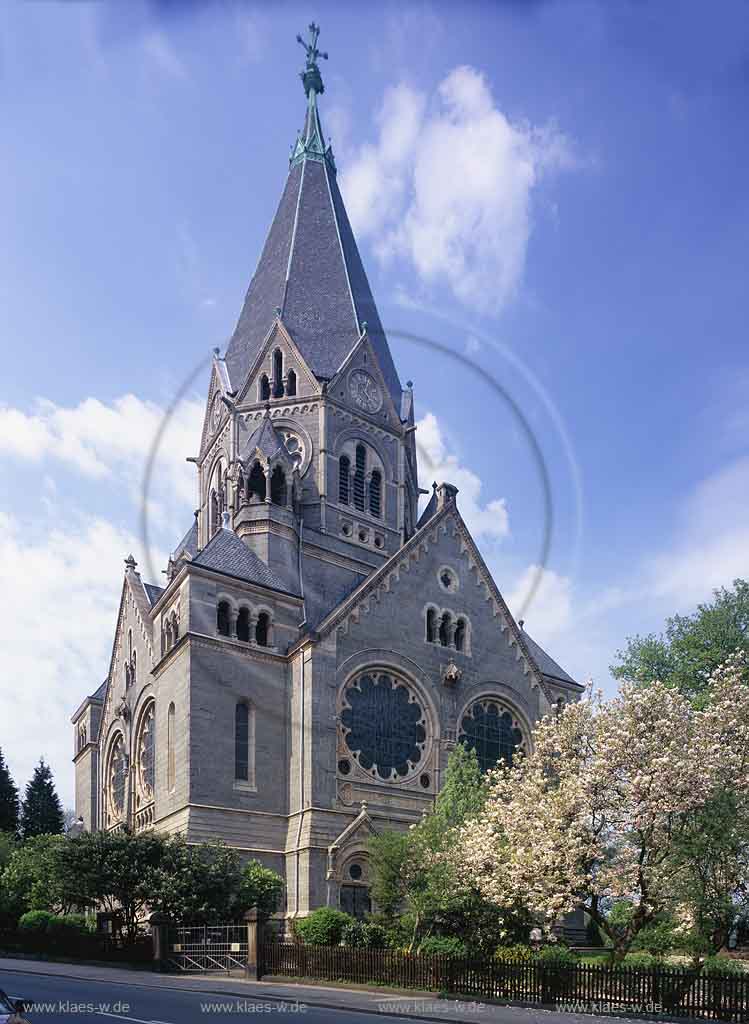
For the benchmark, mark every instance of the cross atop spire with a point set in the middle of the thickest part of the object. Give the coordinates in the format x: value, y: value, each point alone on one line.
x: 311, y: 77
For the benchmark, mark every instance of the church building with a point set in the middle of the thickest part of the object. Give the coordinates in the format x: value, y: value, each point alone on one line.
x: 318, y: 647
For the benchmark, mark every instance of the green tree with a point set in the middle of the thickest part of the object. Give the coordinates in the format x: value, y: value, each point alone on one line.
x: 8, y: 799
x: 261, y: 888
x: 41, y: 813
x: 194, y: 884
x: 692, y: 646
x: 30, y: 880
x: 412, y: 873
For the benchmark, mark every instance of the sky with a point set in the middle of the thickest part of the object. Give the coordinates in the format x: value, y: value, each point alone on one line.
x: 551, y: 202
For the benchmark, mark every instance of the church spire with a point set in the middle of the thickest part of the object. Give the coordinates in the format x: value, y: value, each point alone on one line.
x: 310, y: 143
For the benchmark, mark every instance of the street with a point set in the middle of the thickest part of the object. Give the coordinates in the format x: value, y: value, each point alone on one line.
x: 145, y: 998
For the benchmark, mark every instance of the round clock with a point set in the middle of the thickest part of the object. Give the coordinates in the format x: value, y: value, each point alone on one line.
x: 364, y: 391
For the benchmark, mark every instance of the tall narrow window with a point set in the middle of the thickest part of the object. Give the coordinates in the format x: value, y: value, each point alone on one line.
x: 214, y: 513
x: 170, y: 758
x: 262, y: 630
x: 375, y: 493
x: 175, y: 634
x: 361, y: 465
x: 460, y: 635
x: 223, y: 618
x: 278, y: 373
x: 256, y: 483
x: 243, y: 625
x: 169, y: 638
x: 344, y: 472
x: 242, y: 743
x: 291, y: 383
x: 431, y: 626
x: 134, y: 668
x: 445, y: 624
x: 278, y: 486
x: 264, y: 389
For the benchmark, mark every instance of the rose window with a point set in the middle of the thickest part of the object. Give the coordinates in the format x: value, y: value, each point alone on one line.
x: 146, y: 753
x: 384, y: 725
x: 294, y: 446
x: 493, y: 731
x: 117, y: 775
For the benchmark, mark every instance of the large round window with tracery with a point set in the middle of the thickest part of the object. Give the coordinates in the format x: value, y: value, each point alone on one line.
x: 384, y: 725
x: 147, y: 753
x: 491, y: 729
x: 117, y: 775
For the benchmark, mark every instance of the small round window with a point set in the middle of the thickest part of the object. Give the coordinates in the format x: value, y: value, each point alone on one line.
x: 448, y: 579
x: 355, y: 872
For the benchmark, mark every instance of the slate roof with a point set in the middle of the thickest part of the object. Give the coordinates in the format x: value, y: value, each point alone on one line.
x: 189, y: 543
x: 225, y: 552
x: 546, y: 663
x: 153, y: 593
x: 99, y: 694
x: 267, y: 439
x: 310, y: 269
x: 429, y: 511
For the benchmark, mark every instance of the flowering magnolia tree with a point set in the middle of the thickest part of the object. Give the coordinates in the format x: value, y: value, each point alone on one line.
x: 611, y: 805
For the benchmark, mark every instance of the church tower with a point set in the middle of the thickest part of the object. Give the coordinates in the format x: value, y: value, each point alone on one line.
x: 308, y: 435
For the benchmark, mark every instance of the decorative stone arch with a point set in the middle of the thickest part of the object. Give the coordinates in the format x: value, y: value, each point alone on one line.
x: 284, y: 424
x: 115, y: 811
x: 498, y: 693
x: 431, y: 615
x: 264, y: 609
x: 406, y: 672
x: 233, y: 610
x: 145, y: 769
x: 345, y: 444
x: 351, y: 847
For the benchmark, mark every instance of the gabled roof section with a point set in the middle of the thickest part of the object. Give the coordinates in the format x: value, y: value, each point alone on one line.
x: 430, y: 510
x: 267, y: 440
x: 310, y: 274
x: 546, y: 663
x: 226, y: 553
x: 153, y: 593
x: 188, y: 545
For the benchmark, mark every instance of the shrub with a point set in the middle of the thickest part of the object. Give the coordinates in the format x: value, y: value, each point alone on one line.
x: 35, y: 922
x: 364, y: 935
x: 518, y: 953
x: 68, y: 932
x: 323, y: 927
x: 443, y: 945
x: 721, y: 966
x: 556, y: 956
x: 658, y: 938
x: 641, y: 960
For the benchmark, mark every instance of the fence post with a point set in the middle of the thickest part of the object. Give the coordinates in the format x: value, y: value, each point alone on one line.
x: 250, y: 969
x: 158, y: 938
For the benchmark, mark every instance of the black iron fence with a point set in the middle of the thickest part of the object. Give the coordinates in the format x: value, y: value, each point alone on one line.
x: 580, y: 988
x: 93, y: 946
x: 206, y: 948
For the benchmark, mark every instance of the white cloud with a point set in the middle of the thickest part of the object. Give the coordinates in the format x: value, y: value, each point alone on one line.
x: 448, y: 186
x: 544, y: 598
x: 108, y: 442
x: 438, y: 464
x: 162, y: 55
x: 60, y: 590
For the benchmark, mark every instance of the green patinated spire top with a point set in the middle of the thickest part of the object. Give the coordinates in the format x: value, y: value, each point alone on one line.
x: 310, y: 144
x: 311, y: 77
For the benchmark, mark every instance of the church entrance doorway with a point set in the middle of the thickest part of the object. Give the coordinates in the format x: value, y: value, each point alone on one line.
x: 355, y: 900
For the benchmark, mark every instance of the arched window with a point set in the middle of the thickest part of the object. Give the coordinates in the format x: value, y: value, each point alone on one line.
x: 361, y: 465
x: 491, y: 729
x: 278, y: 486
x: 460, y: 635
x: 262, y: 630
x: 146, y: 752
x: 171, y: 771
x: 278, y: 373
x: 243, y: 625
x: 445, y: 625
x: 431, y: 626
x: 175, y: 633
x: 239, y: 497
x: 256, y: 483
x: 375, y: 493
x: 291, y: 384
x: 134, y: 668
x: 168, y: 634
x: 344, y: 472
x: 264, y: 388
x: 215, y: 516
x: 242, y: 742
x: 223, y: 618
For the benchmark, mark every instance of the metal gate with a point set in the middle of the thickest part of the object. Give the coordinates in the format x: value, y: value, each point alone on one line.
x: 207, y: 948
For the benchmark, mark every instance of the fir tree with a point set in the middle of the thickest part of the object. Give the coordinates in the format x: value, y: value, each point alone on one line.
x: 8, y: 799
x: 41, y: 813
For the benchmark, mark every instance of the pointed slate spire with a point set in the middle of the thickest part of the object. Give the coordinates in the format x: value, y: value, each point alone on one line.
x: 310, y: 268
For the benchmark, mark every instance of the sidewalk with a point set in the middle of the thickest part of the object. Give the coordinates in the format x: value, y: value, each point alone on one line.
x: 420, y: 1005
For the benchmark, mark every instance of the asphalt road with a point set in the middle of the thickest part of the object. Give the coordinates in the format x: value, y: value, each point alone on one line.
x: 62, y: 999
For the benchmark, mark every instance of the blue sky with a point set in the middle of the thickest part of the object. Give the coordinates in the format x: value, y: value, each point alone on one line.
x: 556, y: 191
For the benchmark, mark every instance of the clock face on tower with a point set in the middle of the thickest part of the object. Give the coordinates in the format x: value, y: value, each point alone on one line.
x: 364, y: 391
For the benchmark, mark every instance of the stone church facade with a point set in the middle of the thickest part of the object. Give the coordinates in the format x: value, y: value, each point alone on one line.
x: 319, y: 648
